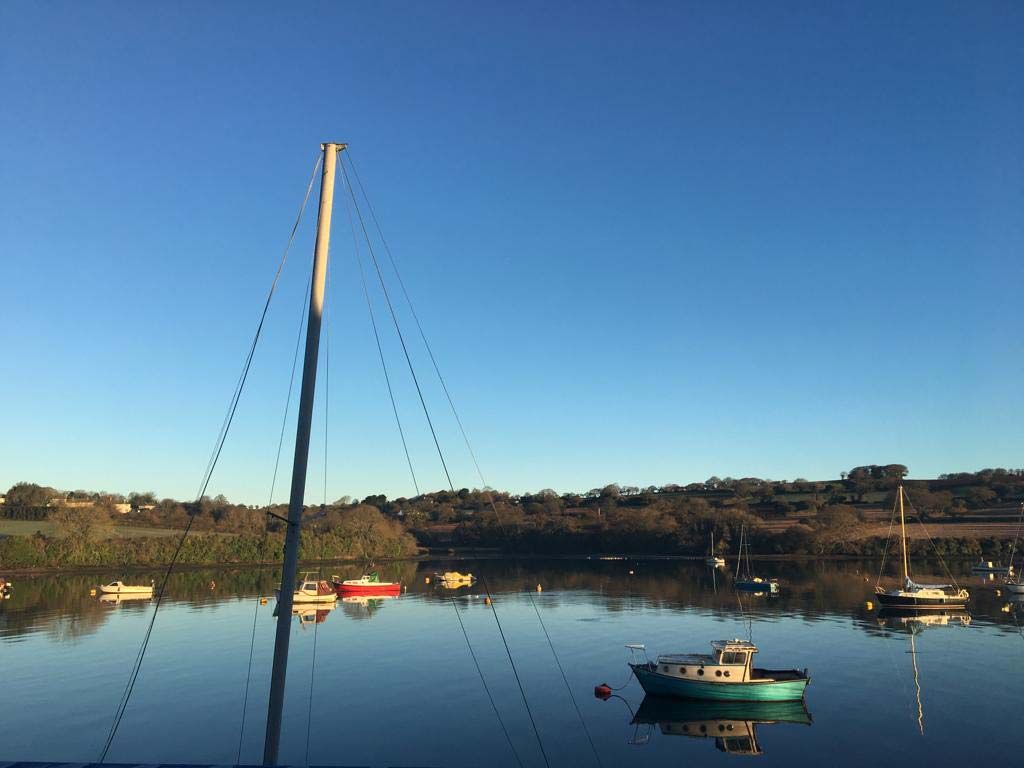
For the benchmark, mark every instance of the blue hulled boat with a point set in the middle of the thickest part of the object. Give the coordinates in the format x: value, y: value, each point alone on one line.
x: 727, y: 674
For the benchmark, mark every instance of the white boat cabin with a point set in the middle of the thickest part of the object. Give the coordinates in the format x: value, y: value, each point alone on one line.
x: 730, y: 661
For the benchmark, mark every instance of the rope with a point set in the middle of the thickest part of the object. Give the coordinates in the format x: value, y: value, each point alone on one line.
x: 519, y: 682
x: 480, y: 672
x: 917, y: 516
x: 888, y: 539
x: 207, y: 476
x: 266, y: 527
x: 398, y: 330
x: 380, y: 350
x: 465, y: 437
x: 433, y: 432
x: 572, y: 697
x: 419, y: 326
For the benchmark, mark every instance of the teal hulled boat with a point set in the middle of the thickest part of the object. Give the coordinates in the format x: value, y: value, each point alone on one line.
x: 727, y: 674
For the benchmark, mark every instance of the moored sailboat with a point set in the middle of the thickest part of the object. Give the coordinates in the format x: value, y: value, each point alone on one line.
x: 748, y: 582
x: 914, y: 596
x: 713, y: 560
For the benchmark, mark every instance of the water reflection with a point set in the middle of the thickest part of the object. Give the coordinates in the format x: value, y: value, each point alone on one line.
x: 126, y: 597
x: 64, y: 652
x: 733, y: 725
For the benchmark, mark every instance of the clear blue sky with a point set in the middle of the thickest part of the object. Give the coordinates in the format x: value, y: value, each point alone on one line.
x: 651, y: 242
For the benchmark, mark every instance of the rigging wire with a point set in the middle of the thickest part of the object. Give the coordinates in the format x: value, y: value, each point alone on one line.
x: 207, y: 475
x: 451, y: 403
x: 415, y: 317
x: 394, y: 318
x: 567, y: 686
x: 433, y: 432
x: 942, y: 561
x: 380, y: 350
x: 888, y: 539
x: 266, y: 520
x: 487, y: 688
x: 519, y: 682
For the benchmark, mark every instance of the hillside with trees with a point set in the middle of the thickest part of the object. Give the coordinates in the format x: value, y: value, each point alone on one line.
x: 967, y: 513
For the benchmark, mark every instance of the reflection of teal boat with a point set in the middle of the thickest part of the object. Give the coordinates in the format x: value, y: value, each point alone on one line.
x: 733, y: 725
x: 727, y: 674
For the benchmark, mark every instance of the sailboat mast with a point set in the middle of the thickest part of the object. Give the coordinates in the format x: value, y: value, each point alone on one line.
x: 903, y: 535
x: 305, y: 420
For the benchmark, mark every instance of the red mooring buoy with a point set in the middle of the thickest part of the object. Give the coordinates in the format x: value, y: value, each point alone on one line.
x: 602, y: 691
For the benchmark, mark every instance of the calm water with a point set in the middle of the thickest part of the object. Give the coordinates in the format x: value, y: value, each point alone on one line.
x: 393, y: 682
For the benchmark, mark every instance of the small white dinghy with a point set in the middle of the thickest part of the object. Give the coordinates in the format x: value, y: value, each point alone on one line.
x: 120, y: 588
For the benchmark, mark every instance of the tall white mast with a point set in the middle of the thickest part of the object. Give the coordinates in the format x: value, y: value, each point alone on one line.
x: 298, y: 491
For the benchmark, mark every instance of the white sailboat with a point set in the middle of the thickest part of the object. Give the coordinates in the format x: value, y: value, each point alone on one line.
x: 712, y: 559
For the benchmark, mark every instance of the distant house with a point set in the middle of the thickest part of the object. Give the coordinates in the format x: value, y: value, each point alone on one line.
x: 3, y: 500
x: 122, y: 507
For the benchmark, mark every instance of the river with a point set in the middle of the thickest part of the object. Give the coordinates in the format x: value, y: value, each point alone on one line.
x: 392, y: 682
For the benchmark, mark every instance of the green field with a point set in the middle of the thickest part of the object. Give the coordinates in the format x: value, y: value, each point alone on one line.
x: 30, y: 527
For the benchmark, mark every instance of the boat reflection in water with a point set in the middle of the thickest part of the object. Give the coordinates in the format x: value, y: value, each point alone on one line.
x: 914, y: 621
x: 733, y: 725
x: 364, y: 606
x: 310, y: 615
x: 114, y: 598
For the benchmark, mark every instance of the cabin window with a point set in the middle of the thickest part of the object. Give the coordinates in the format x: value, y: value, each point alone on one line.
x: 727, y: 673
x: 682, y: 670
x: 734, y: 657
x: 718, y: 673
x: 700, y: 671
x: 664, y: 667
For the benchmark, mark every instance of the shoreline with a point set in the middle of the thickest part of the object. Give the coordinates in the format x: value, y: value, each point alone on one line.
x: 431, y: 557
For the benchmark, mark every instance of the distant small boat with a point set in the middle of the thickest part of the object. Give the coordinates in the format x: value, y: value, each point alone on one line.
x: 712, y: 559
x: 914, y: 596
x: 312, y: 591
x: 454, y: 579
x: 120, y: 588
x: 727, y: 674
x: 748, y: 582
x: 368, y: 584
x: 986, y: 567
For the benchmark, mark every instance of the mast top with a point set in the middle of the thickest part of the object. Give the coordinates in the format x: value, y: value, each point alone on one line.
x: 338, y: 145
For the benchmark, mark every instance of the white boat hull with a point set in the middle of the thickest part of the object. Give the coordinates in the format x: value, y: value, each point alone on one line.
x: 124, y: 589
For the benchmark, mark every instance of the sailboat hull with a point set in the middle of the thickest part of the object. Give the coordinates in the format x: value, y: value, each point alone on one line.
x: 909, y: 601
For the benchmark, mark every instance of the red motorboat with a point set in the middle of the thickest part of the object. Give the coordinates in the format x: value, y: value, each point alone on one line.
x: 369, y: 584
